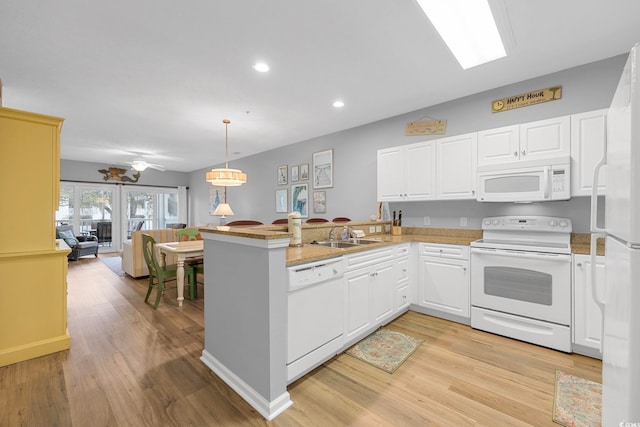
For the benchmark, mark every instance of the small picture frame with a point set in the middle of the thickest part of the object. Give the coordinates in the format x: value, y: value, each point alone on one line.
x: 299, y: 199
x: 304, y: 172
x: 294, y: 173
x: 319, y: 202
x: 217, y: 195
x: 323, y: 169
x: 281, y: 200
x: 282, y: 175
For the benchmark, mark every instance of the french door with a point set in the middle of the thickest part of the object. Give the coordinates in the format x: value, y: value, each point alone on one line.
x: 111, y: 212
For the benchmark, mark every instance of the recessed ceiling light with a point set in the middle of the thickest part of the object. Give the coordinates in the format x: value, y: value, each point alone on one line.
x: 261, y: 67
x: 468, y: 28
x: 338, y: 104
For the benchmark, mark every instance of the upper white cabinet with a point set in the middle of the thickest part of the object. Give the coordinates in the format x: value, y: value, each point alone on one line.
x: 407, y: 173
x: 456, y: 167
x: 500, y: 145
x: 588, y: 137
x: 528, y: 141
x: 439, y: 169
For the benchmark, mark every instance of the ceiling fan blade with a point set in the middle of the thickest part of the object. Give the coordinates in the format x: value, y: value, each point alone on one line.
x: 156, y: 167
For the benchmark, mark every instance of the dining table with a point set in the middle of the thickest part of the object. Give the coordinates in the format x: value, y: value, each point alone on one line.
x: 183, y: 251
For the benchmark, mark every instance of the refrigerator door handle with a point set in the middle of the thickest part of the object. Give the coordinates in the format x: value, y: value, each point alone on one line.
x: 594, y: 188
x: 594, y: 282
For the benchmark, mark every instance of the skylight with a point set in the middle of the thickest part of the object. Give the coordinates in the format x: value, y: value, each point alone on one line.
x: 468, y: 28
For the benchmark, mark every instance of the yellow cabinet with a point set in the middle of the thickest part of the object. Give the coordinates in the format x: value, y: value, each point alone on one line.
x: 30, y: 177
x: 33, y: 290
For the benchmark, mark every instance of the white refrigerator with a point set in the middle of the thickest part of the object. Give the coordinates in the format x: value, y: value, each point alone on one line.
x: 621, y: 297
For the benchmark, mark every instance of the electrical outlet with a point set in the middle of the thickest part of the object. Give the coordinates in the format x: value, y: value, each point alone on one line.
x: 427, y: 220
x: 378, y: 229
x: 372, y: 229
x: 463, y: 221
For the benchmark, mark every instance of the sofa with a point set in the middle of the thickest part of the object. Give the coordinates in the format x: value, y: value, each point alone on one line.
x: 133, y: 262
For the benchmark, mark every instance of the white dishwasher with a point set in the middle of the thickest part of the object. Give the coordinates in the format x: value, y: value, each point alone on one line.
x: 315, y: 311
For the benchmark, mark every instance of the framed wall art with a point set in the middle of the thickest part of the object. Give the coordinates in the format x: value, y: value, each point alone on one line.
x: 304, y: 172
x: 217, y: 195
x: 294, y: 173
x: 323, y: 169
x: 282, y: 175
x: 299, y: 202
x: 319, y: 202
x: 281, y: 200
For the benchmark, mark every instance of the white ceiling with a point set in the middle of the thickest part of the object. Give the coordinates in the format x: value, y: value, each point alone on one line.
x: 158, y: 76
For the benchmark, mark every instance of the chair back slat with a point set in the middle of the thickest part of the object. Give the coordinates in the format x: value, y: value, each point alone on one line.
x: 189, y: 233
x: 149, y: 252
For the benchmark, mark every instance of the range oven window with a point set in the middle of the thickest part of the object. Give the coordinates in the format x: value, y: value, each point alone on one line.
x: 519, y: 284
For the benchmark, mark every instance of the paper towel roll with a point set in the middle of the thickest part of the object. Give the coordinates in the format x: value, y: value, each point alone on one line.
x: 295, y: 228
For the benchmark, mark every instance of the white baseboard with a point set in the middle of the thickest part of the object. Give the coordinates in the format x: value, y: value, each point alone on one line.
x: 268, y: 409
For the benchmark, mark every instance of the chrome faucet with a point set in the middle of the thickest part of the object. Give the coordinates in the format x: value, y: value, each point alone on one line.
x: 333, y: 229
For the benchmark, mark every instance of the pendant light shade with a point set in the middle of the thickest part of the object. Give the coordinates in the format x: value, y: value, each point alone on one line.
x: 224, y: 176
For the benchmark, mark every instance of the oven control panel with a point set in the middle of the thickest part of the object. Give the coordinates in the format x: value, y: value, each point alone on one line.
x: 530, y: 223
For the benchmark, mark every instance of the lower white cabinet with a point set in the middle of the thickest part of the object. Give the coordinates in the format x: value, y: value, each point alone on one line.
x: 403, y: 291
x: 443, y: 280
x: 587, y: 318
x: 376, y: 288
x: 370, y: 297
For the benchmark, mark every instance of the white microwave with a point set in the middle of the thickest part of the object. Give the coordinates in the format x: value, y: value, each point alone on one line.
x: 525, y: 181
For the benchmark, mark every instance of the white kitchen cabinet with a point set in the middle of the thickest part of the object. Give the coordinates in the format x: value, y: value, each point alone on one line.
x: 588, y: 137
x: 383, y: 291
x: 456, y: 167
x: 527, y: 141
x: 587, y: 318
x: 407, y: 172
x: 370, y: 280
x: 358, y: 305
x: 402, y: 285
x: 444, y: 280
x: 376, y: 281
x: 499, y: 145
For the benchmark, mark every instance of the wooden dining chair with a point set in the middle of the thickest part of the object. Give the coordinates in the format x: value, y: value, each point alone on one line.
x: 312, y: 220
x: 281, y: 221
x: 159, y: 275
x: 196, y: 263
x: 341, y: 219
x: 243, y: 222
x: 187, y: 234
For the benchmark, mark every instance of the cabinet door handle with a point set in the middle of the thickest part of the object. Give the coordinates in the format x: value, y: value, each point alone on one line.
x: 579, y: 265
x: 524, y: 153
x: 515, y: 154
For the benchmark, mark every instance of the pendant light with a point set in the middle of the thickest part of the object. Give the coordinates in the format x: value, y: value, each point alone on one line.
x: 224, y: 176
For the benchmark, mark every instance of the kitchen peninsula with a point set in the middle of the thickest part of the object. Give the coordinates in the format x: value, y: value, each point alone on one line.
x: 246, y: 303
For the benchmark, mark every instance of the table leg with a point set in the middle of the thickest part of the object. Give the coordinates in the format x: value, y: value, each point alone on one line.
x: 180, y: 280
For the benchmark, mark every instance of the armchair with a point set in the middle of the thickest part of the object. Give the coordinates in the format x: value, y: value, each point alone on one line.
x: 80, y: 245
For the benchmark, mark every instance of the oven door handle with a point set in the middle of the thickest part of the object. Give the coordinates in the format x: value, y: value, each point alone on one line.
x: 525, y: 255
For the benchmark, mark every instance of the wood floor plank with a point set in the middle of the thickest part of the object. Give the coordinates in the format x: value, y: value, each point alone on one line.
x: 132, y: 365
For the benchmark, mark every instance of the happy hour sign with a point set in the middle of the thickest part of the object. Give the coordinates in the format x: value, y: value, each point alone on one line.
x: 526, y: 99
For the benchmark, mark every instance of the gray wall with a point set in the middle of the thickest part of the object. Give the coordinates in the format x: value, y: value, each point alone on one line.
x: 71, y: 170
x: 585, y: 88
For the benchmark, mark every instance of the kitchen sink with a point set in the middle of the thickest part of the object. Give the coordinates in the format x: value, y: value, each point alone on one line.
x: 336, y: 244
x: 341, y: 244
x: 368, y: 241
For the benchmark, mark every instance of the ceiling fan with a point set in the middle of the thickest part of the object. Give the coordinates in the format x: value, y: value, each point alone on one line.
x: 141, y: 165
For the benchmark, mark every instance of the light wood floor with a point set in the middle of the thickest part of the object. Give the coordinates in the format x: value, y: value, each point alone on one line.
x: 130, y: 365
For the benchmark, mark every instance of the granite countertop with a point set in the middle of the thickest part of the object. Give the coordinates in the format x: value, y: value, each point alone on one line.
x: 580, y: 242
x: 309, y: 252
